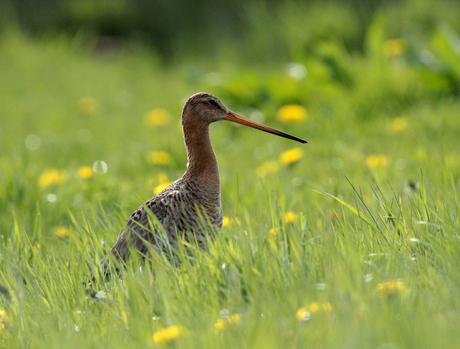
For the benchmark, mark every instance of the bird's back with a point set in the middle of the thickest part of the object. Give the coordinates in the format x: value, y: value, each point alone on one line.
x: 183, y: 208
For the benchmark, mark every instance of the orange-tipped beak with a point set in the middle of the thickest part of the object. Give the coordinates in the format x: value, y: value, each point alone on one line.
x: 238, y: 119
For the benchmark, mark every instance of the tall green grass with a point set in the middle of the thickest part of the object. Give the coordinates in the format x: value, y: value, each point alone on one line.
x: 265, y: 278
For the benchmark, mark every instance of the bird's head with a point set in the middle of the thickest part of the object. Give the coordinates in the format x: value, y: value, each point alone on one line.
x: 204, y: 107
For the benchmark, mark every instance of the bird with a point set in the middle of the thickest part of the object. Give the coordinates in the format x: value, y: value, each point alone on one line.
x: 191, y: 206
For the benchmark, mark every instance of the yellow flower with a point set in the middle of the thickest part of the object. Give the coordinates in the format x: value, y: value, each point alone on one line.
x: 219, y: 325
x: 399, y: 124
x: 85, y: 172
x: 234, y: 319
x: 267, y: 167
x: 3, y: 315
x: 327, y: 307
x: 160, y: 183
x: 163, y: 178
x: 303, y: 314
x: 377, y: 160
x: 167, y: 334
x: 273, y: 231
x: 159, y: 188
x: 157, y: 117
x: 395, y: 47
x: 87, y: 105
x: 50, y: 177
x: 390, y: 288
x: 158, y: 158
x: 314, y: 307
x: 63, y: 232
x: 290, y: 217
x: 227, y: 221
x: 3, y: 318
x: 292, y: 113
x: 291, y: 156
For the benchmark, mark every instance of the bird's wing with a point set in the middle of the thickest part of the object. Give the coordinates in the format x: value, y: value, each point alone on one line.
x: 165, y: 209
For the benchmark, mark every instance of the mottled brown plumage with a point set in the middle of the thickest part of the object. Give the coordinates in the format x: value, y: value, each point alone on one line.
x: 192, y: 202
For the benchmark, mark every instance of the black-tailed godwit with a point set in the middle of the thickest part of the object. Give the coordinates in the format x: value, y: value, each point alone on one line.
x: 186, y: 205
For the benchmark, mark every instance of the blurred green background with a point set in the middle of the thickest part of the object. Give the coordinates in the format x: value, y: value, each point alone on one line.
x: 80, y: 77
x: 90, y: 99
x: 276, y: 30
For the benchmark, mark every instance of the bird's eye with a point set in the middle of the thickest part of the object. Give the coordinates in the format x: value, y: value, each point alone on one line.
x: 213, y: 102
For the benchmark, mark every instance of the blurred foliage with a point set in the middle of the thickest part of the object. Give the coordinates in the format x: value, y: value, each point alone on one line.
x: 273, y: 28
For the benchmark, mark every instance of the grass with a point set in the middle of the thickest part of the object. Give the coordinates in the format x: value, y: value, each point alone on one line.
x: 369, y: 256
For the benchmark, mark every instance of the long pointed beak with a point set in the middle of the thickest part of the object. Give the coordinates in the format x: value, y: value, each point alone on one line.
x: 238, y: 119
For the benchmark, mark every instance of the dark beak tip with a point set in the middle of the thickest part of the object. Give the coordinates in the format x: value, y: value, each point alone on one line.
x: 300, y: 140
x: 238, y: 119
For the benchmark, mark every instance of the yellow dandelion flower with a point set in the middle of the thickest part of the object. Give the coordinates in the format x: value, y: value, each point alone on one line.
x: 395, y: 47
x: 234, y: 319
x: 227, y: 221
x: 291, y: 156
x: 159, y: 183
x: 163, y: 178
x: 377, y: 160
x: 399, y: 124
x: 157, y: 117
x: 158, y: 158
x: 231, y: 320
x: 167, y: 334
x: 314, y: 307
x: 85, y: 172
x: 87, y: 106
x: 390, y: 288
x: 327, y: 307
x: 303, y: 314
x: 273, y: 232
x: 3, y: 315
x: 159, y: 188
x: 219, y: 325
x: 50, y: 177
x: 292, y: 113
x: 63, y: 232
x: 3, y: 318
x: 290, y: 217
x: 267, y: 167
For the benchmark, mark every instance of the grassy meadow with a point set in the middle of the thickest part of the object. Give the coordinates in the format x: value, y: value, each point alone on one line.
x: 349, y: 241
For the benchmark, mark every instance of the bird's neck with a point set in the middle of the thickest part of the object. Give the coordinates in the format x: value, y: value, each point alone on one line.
x: 202, y: 162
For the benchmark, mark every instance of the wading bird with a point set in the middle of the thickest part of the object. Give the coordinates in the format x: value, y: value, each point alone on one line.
x: 191, y: 202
